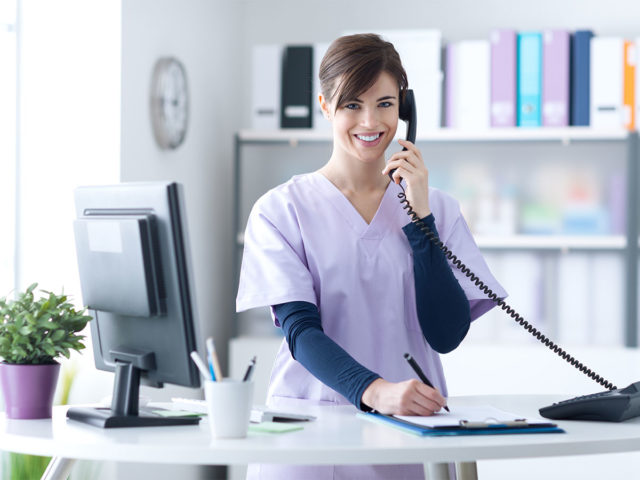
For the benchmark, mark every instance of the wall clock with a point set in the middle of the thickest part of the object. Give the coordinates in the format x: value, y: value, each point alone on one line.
x: 169, y: 103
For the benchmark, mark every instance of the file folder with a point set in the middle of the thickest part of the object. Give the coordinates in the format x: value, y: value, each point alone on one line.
x: 555, y: 79
x: 629, y: 96
x: 529, y: 79
x: 297, y: 87
x: 637, y: 91
x: 607, y: 82
x: 580, y: 77
x: 503, y: 78
x: 265, y: 92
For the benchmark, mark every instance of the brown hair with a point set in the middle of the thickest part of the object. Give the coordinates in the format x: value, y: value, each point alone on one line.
x: 353, y: 63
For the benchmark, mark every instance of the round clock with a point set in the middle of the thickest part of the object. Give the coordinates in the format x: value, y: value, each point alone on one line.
x: 169, y: 103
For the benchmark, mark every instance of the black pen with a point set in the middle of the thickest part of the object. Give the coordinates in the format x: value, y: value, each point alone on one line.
x: 247, y: 375
x: 418, y: 370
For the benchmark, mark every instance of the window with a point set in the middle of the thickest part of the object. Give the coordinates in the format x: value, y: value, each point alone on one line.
x: 8, y: 112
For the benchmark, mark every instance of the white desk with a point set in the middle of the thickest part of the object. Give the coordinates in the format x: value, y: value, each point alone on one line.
x: 336, y: 437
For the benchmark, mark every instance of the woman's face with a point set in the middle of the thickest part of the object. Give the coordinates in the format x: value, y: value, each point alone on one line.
x: 364, y: 126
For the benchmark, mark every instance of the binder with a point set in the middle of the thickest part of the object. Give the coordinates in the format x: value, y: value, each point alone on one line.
x: 503, y: 78
x: 607, y: 82
x: 468, y: 88
x: 555, y: 79
x: 637, y: 92
x: 266, y: 61
x: 580, y: 77
x: 420, y: 52
x: 319, y: 122
x: 297, y: 65
x: 463, y: 427
x: 629, y: 95
x: 529, y: 79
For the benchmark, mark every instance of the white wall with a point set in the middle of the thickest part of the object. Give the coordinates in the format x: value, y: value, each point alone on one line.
x: 204, y: 36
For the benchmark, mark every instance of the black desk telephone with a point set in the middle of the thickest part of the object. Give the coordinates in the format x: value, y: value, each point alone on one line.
x: 612, y: 405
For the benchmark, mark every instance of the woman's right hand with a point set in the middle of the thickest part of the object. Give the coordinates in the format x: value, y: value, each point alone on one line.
x: 411, y: 397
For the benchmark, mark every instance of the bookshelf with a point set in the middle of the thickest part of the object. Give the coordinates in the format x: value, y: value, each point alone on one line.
x: 313, y: 147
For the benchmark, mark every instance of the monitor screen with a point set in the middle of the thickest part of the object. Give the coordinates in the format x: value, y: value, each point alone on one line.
x: 135, y: 269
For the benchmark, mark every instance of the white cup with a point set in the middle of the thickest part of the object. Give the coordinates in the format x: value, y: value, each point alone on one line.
x: 229, y: 406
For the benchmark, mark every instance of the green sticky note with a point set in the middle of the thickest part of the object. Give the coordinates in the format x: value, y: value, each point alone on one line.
x: 273, y: 427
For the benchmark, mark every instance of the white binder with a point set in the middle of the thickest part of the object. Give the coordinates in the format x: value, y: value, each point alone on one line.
x: 607, y: 82
x: 318, y: 122
x: 266, y: 72
x: 420, y: 52
x: 471, y: 84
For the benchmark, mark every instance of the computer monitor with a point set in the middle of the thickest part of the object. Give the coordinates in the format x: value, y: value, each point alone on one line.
x: 135, y: 269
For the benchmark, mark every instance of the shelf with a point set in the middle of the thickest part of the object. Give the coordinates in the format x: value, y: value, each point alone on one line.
x: 541, y: 134
x: 552, y: 242
x: 540, y: 242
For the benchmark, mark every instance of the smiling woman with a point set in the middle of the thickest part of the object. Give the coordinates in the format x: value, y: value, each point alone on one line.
x: 354, y: 284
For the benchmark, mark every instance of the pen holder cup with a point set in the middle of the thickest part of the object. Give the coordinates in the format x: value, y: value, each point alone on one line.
x: 229, y: 405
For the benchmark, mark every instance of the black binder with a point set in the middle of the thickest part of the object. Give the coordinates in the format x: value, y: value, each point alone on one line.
x: 297, y: 67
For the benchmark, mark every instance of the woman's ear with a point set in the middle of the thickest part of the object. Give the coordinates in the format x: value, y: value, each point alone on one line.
x: 326, y: 109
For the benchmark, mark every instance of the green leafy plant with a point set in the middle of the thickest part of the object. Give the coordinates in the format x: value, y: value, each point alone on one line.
x: 36, y: 331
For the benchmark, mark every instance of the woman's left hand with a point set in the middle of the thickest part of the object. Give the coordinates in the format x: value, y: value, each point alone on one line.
x: 409, y: 165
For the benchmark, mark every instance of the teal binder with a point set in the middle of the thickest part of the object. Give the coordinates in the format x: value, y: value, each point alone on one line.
x: 529, y: 79
x: 468, y: 428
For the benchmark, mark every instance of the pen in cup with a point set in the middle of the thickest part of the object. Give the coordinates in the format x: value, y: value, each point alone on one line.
x: 201, y: 365
x: 249, y: 372
x: 418, y: 370
x: 213, y: 359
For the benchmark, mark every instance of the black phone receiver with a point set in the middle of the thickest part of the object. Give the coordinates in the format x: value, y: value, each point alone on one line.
x: 408, y: 113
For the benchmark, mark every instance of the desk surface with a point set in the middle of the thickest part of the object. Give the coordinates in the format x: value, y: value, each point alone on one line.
x: 336, y: 437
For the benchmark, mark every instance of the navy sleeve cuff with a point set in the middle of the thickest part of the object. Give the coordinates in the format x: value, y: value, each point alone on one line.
x: 417, y: 239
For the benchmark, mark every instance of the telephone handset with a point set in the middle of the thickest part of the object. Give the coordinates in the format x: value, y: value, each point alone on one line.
x: 408, y: 113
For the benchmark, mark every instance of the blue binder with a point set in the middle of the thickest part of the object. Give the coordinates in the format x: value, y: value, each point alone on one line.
x: 529, y: 79
x: 519, y: 426
x: 580, y: 77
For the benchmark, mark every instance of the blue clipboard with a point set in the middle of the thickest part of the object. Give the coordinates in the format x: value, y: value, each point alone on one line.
x: 476, y: 428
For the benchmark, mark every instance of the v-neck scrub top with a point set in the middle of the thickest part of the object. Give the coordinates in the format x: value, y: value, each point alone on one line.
x: 305, y: 241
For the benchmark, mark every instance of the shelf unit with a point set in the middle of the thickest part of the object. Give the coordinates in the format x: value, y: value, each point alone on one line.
x: 626, y: 244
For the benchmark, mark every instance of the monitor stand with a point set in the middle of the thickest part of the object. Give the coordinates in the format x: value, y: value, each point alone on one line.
x: 124, y: 411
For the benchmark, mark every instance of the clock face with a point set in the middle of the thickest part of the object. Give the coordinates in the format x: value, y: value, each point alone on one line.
x: 169, y: 103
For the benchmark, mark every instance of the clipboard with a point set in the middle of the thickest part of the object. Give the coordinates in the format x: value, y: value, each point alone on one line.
x: 490, y: 426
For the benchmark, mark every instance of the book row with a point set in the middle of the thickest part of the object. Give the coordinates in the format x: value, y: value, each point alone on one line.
x: 551, y: 78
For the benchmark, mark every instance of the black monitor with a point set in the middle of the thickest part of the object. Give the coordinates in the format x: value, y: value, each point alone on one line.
x: 135, y: 269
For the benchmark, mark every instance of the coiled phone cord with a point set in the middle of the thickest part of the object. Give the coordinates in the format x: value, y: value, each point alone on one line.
x: 493, y: 296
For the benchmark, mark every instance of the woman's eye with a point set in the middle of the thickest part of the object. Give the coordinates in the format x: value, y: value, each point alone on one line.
x: 386, y: 104
x: 352, y: 106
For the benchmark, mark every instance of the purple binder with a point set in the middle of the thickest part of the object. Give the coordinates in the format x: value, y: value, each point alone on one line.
x: 503, y: 78
x: 555, y: 78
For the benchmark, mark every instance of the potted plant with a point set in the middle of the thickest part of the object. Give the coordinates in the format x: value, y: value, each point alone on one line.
x: 33, y: 333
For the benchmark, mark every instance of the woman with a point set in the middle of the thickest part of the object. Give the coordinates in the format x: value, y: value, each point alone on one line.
x: 350, y: 280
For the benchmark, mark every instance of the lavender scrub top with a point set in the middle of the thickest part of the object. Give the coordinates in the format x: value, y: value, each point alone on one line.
x: 305, y: 241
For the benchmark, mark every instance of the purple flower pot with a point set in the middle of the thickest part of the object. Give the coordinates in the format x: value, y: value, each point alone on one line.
x: 28, y: 389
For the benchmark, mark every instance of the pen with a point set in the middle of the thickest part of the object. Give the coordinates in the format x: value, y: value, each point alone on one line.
x: 211, y: 349
x: 420, y: 373
x: 249, y: 373
x: 200, y: 364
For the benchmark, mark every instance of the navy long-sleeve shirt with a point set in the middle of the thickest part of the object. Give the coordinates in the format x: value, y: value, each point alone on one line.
x: 443, y: 314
